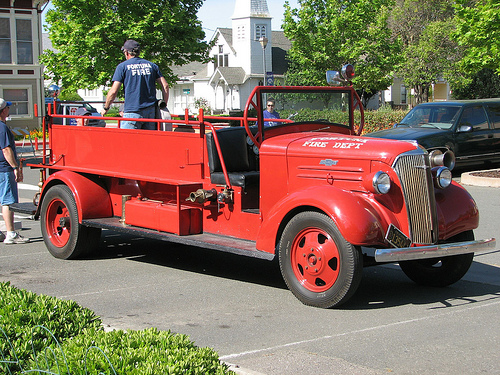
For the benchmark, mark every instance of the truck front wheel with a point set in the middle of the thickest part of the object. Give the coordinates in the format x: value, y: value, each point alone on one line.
x: 440, y: 272
x: 318, y: 265
x: 62, y: 233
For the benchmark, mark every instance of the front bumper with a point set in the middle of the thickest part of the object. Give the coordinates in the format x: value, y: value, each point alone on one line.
x: 434, y: 251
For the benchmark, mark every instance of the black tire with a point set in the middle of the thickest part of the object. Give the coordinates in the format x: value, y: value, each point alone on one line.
x: 62, y: 233
x: 318, y: 265
x: 440, y: 272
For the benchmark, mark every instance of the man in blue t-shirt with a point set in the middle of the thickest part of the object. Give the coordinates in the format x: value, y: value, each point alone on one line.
x: 139, y: 78
x: 10, y: 175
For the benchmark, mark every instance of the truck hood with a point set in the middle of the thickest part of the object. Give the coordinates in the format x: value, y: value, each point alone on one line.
x: 331, y: 147
x: 407, y: 133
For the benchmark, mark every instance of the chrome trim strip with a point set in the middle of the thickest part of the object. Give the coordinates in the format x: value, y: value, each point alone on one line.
x: 434, y: 251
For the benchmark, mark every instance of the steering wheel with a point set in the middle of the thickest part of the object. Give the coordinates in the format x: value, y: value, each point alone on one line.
x: 257, y: 137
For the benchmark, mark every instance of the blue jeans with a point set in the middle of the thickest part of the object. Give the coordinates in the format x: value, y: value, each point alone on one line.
x: 8, y: 188
x: 148, y: 112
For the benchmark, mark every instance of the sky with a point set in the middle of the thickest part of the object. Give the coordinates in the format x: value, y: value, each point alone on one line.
x: 218, y: 13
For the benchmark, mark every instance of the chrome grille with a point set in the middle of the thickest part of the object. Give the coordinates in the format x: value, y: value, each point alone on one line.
x: 414, y: 173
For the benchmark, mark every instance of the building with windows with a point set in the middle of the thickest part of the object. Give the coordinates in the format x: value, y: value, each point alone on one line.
x: 21, y: 75
x: 241, y: 56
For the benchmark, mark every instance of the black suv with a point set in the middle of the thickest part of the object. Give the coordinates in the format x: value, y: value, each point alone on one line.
x: 469, y: 128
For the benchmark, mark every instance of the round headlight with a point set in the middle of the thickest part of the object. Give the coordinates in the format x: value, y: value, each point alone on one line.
x: 381, y: 182
x: 443, y: 177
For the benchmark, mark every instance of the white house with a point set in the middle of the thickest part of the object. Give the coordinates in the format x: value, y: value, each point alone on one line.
x: 21, y: 75
x: 239, y: 60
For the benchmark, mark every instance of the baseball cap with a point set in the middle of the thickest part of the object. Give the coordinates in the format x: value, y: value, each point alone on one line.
x: 4, y: 103
x: 130, y: 45
x: 82, y: 111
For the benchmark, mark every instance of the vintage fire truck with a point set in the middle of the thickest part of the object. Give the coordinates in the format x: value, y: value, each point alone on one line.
x: 306, y: 189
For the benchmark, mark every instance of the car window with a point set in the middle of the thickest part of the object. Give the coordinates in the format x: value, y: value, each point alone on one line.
x: 474, y: 117
x: 494, y: 114
x: 431, y: 116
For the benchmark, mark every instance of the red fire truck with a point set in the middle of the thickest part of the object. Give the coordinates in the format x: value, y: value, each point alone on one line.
x: 305, y: 188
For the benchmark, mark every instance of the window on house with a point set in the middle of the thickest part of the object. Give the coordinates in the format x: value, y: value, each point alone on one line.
x: 222, y: 60
x: 216, y: 62
x: 403, y: 94
x: 5, y: 55
x: 20, y: 98
x: 24, y: 41
x: 260, y: 31
x: 221, y: 48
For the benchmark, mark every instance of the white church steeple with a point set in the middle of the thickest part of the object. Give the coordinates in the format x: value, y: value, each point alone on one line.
x: 251, y: 8
x: 251, y: 21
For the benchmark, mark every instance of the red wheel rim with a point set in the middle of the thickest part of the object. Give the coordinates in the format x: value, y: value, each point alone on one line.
x: 315, y: 259
x: 58, y: 223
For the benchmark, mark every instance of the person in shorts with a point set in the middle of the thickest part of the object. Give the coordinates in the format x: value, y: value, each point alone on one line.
x: 139, y: 78
x: 10, y: 175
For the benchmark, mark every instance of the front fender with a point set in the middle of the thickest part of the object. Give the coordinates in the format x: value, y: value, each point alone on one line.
x: 91, y: 197
x: 357, y: 219
x: 457, y: 211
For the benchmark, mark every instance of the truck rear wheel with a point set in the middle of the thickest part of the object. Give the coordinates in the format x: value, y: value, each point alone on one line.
x: 62, y: 233
x: 440, y: 272
x: 318, y: 265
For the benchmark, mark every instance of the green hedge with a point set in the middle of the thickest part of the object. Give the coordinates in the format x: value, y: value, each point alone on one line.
x: 21, y: 311
x: 380, y: 119
x: 81, y: 346
x: 147, y: 352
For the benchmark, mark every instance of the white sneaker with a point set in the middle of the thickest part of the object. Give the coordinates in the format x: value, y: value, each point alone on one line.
x: 17, y: 239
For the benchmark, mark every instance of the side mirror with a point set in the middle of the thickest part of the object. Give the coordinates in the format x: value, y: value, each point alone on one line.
x: 333, y: 78
x: 465, y: 128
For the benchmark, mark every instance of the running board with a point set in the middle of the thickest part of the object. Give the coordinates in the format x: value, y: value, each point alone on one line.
x: 210, y: 241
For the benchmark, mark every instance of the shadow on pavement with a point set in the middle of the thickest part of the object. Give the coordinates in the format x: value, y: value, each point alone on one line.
x: 190, y: 258
x: 381, y: 287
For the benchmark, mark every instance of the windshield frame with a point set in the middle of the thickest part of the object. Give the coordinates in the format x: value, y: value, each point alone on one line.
x: 259, y: 96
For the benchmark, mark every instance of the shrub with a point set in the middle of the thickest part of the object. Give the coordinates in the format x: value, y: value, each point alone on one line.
x: 379, y: 120
x: 21, y: 310
x: 135, y: 353
x: 49, y: 334
x: 374, y: 120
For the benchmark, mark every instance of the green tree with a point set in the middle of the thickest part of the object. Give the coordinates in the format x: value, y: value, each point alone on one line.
x: 327, y: 34
x: 424, y: 27
x: 484, y: 84
x: 433, y: 56
x: 88, y: 35
x: 478, y: 30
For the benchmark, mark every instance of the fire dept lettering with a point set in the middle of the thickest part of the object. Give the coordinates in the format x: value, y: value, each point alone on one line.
x: 315, y: 144
x: 140, y: 69
x: 347, y: 145
x: 339, y: 142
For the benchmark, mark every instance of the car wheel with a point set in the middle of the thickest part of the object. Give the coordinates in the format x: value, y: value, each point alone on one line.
x: 62, y: 233
x: 440, y: 272
x: 318, y: 265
